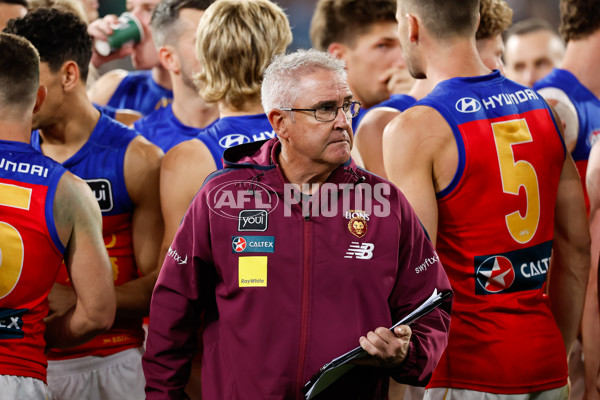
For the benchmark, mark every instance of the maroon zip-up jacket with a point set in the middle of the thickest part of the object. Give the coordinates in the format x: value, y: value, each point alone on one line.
x: 280, y: 284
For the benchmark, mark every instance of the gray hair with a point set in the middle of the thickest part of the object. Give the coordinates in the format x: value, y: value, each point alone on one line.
x: 280, y: 81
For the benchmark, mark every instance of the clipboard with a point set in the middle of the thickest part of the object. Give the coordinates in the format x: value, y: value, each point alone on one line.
x: 337, y: 367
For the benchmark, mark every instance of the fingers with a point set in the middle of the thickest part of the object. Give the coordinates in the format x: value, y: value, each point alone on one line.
x: 102, y: 28
x: 389, y: 348
x: 403, y: 331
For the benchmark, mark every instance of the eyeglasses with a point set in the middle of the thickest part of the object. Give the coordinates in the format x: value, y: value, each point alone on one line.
x: 328, y: 112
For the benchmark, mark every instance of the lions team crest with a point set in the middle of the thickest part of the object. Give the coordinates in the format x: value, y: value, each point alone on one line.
x: 357, y: 226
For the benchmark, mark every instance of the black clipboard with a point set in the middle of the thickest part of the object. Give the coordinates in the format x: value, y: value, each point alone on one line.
x: 337, y: 367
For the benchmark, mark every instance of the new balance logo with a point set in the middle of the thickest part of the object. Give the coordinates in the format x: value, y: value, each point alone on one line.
x: 360, y: 251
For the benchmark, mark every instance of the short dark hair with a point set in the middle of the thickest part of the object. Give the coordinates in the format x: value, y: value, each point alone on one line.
x: 19, y: 70
x: 18, y: 2
x: 579, y: 19
x: 166, y: 14
x: 343, y: 21
x: 58, y: 36
x: 445, y: 18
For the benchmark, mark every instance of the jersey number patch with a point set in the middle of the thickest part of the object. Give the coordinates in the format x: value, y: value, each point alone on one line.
x: 516, y: 174
x: 11, y: 243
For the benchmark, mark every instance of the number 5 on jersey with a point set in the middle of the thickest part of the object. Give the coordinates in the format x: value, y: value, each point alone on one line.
x: 11, y: 243
x: 517, y: 173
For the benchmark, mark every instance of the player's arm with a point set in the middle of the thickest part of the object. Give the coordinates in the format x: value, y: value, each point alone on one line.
x: 79, y: 225
x: 409, y: 150
x: 567, y: 114
x: 570, y: 263
x: 103, y: 89
x: 590, y: 324
x: 183, y: 171
x: 369, y: 137
x: 142, y: 172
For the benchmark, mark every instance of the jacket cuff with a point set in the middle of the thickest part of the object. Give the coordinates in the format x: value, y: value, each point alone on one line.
x: 408, y: 366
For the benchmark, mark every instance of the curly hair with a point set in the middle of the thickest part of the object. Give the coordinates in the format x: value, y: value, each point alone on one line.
x: 343, y: 21
x: 19, y: 71
x: 496, y: 17
x: 236, y: 41
x: 58, y: 36
x: 579, y: 19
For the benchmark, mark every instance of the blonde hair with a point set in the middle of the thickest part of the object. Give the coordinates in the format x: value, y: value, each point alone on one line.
x: 236, y: 40
x: 73, y: 6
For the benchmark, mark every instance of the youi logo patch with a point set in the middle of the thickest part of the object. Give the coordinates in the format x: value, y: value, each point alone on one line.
x: 103, y: 192
x: 253, y: 221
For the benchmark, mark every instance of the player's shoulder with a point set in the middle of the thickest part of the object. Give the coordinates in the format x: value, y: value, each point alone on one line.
x: 105, y: 86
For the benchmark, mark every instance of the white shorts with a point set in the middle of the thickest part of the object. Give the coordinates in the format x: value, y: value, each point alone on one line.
x: 22, y: 387
x: 561, y: 393
x: 118, y: 376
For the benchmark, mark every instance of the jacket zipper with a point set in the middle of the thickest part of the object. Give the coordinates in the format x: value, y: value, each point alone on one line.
x: 304, y: 311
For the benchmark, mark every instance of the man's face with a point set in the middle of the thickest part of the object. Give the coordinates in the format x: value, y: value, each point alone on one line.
x: 144, y: 55
x: 321, y: 142
x: 372, y: 60
x: 490, y: 51
x: 186, y: 45
x: 409, y: 51
x: 531, y: 56
x: 10, y: 11
x: 48, y: 114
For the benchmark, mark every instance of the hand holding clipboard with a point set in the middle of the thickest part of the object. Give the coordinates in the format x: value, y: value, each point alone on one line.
x: 337, y: 367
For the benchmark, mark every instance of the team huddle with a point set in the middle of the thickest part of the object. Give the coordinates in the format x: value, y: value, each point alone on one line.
x: 229, y: 217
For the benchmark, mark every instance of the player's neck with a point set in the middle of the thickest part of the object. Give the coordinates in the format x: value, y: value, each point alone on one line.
x: 582, y: 59
x: 65, y: 136
x: 15, y: 131
x: 189, y: 108
x: 420, y: 89
x: 457, y: 59
x: 250, y: 107
x: 162, y: 77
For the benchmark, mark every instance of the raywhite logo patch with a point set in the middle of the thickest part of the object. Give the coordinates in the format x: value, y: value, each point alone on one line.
x: 360, y: 251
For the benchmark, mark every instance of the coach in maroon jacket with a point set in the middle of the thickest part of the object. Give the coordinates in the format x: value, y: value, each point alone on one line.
x: 292, y: 256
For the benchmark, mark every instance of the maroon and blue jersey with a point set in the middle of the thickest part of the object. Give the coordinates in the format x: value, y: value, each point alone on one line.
x: 31, y: 254
x: 100, y: 163
x: 495, y: 232
x: 138, y: 91
x: 162, y: 128
x: 588, y: 114
x: 231, y: 131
